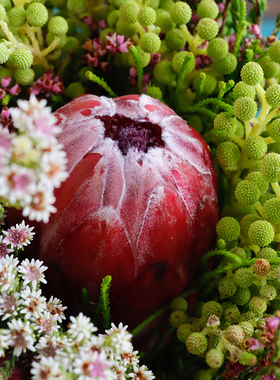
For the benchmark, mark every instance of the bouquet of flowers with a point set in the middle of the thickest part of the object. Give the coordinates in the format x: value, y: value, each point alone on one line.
x: 139, y: 187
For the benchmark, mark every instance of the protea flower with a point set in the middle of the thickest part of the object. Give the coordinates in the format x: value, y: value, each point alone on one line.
x: 139, y: 204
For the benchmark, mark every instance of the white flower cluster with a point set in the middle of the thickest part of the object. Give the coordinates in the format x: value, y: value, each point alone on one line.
x: 32, y: 163
x: 31, y: 324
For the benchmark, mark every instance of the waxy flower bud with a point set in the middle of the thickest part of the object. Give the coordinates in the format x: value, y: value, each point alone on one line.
x: 139, y: 204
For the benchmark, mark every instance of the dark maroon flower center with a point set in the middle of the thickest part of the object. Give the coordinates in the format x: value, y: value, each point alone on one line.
x: 129, y: 133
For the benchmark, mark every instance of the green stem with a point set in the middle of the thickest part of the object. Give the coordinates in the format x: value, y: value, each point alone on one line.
x: 139, y: 68
x: 276, y: 188
x: 101, y: 82
x: 180, y: 81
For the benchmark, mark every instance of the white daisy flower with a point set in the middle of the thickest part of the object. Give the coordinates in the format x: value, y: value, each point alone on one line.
x: 47, y: 368
x: 33, y: 304
x: 4, y: 250
x: 119, y: 338
x: 46, y: 323
x: 141, y: 373
x: 4, y: 336
x: 20, y: 336
x: 55, y: 307
x: 9, y: 304
x: 41, y: 205
x: 32, y: 272
x: 8, y: 278
x: 50, y: 345
x: 19, y: 236
x: 17, y: 183
x: 93, y: 365
x: 81, y: 327
x: 53, y: 167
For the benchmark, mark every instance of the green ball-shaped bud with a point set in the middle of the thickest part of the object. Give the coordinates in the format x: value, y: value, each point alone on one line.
x: 207, y: 8
x: 175, y: 40
x: 74, y: 90
x: 58, y: 26
x: 164, y: 21
x: 246, y: 222
x: 150, y: 43
x: 247, y: 192
x: 234, y: 335
x: 252, y: 73
x: 128, y: 30
x: 179, y: 58
x: 268, y: 292
x: 24, y: 77
x: 7, y: 4
x: 214, y: 358
x: 271, y: 210
x: 181, y: 13
x: 164, y: 73
x: 242, y: 296
x: 37, y: 14
x: 272, y: 95
x: 270, y: 167
x: 154, y: 4
x: 225, y: 121
x: 61, y: 42
x: 184, y: 331
x: 4, y: 53
x: 76, y: 6
x: 255, y: 147
x: 270, y: 68
x: 244, y: 277
x: 177, y: 318
x: 267, y: 253
x: 72, y: 45
x: 261, y: 233
x: 207, y: 28
x: 274, y: 130
x: 113, y: 18
x: 217, y: 48
x: 242, y: 89
x: 203, y: 375
x: 21, y: 58
x: 245, y: 108
x: 179, y: 303
x: 17, y: 17
x: 227, y: 287
x: 247, y: 328
x: 274, y: 51
x: 154, y: 92
x: 145, y: 58
x: 211, y: 308
x: 147, y: 16
x: 227, y: 154
x: 246, y: 358
x: 226, y: 65
x: 257, y: 178
x: 232, y: 314
x: 196, y: 343
x: 210, y: 84
x: 228, y: 229
x: 257, y: 305
x: 129, y: 11
x: 240, y: 252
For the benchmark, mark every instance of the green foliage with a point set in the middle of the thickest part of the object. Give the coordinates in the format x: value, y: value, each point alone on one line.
x: 104, y: 300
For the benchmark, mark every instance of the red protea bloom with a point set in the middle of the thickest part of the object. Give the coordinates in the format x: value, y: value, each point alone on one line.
x: 139, y: 204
